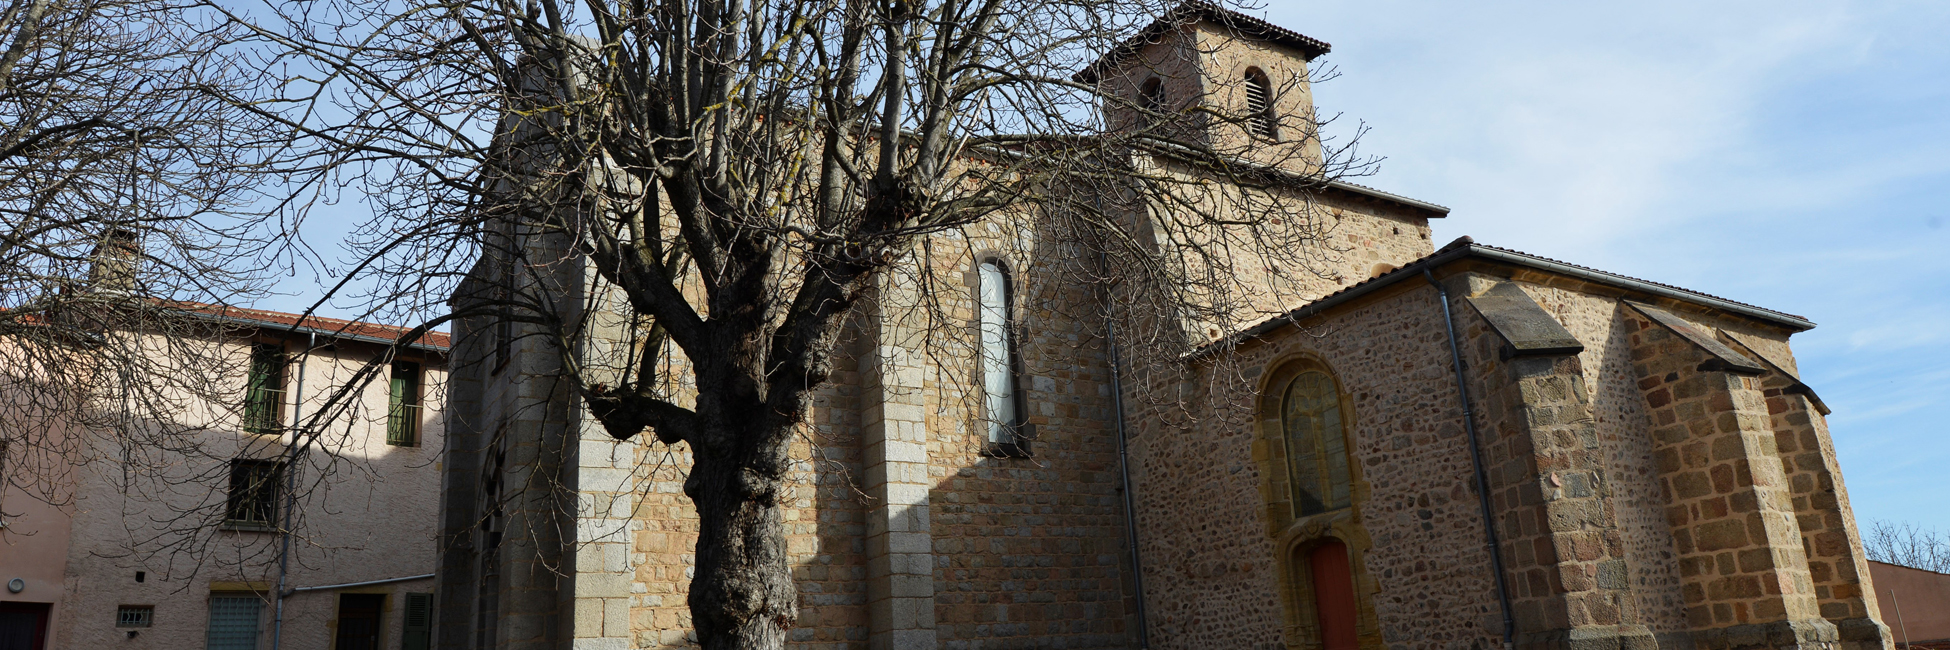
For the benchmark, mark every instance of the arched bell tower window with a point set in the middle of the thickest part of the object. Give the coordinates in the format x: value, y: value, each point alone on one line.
x: 1259, y: 105
x: 1003, y: 408
x: 1316, y: 444
x: 1151, y: 97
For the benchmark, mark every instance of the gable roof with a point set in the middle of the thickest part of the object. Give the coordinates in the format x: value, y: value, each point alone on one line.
x: 1194, y: 11
x: 1467, y: 248
x: 337, y: 328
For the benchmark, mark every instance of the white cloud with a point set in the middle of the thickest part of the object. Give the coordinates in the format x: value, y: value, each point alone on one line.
x: 1793, y: 155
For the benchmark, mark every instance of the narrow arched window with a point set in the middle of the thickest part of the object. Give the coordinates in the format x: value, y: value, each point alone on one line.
x: 1002, y: 397
x: 1259, y: 105
x: 1152, y: 97
x: 1316, y: 444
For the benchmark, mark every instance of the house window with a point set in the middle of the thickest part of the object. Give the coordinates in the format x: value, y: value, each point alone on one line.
x: 264, y: 390
x: 1259, y: 105
x: 253, y: 493
x: 360, y: 624
x: 403, y: 406
x: 1002, y: 403
x: 1316, y: 445
x: 233, y: 622
x: 134, y: 615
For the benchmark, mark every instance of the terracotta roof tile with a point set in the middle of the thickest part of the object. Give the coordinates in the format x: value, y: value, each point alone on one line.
x: 1197, y: 10
x: 338, y: 326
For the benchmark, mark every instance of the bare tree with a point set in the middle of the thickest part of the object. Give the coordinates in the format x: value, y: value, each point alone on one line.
x: 125, y: 195
x: 1908, y: 545
x: 741, y: 174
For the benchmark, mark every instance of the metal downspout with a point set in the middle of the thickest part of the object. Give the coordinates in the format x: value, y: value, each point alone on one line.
x: 1124, y: 469
x: 1476, y: 459
x: 368, y: 583
x: 290, y: 495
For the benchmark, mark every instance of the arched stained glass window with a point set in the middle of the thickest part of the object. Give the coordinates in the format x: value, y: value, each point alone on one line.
x: 1316, y: 447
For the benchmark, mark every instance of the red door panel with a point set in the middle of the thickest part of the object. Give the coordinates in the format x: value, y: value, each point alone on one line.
x: 1333, y: 595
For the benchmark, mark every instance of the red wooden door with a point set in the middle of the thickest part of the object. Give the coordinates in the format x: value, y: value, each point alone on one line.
x: 1333, y: 595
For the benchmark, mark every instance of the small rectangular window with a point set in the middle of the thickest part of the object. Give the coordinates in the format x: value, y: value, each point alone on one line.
x: 134, y: 615
x: 233, y: 622
x: 254, y: 490
x: 403, y: 406
x: 264, y: 390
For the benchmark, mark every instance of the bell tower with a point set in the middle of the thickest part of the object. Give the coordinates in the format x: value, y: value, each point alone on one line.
x: 1209, y: 78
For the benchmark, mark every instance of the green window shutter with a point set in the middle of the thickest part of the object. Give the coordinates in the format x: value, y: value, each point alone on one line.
x: 264, y: 390
x: 419, y: 623
x: 403, y: 406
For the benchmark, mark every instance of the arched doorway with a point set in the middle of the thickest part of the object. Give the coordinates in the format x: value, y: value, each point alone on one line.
x: 1314, y: 494
x: 1334, y: 604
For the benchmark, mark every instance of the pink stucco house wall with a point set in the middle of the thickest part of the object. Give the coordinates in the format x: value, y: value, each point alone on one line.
x: 159, y: 558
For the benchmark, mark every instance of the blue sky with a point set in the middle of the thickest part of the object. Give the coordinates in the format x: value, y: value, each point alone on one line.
x: 1794, y: 155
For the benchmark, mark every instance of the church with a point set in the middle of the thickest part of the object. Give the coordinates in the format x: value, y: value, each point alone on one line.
x: 1454, y: 446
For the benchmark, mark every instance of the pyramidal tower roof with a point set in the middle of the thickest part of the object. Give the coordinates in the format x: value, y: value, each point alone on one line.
x: 1194, y: 11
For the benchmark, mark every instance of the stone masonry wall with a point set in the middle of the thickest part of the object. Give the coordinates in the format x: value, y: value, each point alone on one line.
x: 1030, y: 551
x: 1744, y: 575
x: 1427, y: 573
x: 1622, y: 421
x: 1023, y: 552
x: 1561, y: 541
x: 1836, y: 562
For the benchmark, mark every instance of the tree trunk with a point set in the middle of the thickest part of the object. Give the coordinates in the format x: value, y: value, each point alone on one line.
x: 742, y: 595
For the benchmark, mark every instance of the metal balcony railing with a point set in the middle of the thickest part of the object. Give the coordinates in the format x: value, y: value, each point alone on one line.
x: 263, y: 411
x: 403, y: 425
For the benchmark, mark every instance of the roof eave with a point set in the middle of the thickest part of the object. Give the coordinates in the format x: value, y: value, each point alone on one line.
x: 1196, y: 11
x: 1437, y: 211
x: 334, y: 334
x: 1456, y: 253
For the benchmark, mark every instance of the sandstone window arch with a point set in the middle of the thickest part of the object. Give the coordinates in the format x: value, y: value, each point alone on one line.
x: 1325, y: 591
x: 1003, y: 408
x: 1260, y: 116
x: 1315, y: 433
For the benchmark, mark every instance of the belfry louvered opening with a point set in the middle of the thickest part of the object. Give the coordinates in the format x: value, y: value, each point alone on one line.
x: 1259, y: 105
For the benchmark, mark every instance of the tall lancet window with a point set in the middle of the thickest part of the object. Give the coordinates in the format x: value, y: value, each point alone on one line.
x: 1316, y: 445
x: 1259, y: 105
x: 1002, y: 398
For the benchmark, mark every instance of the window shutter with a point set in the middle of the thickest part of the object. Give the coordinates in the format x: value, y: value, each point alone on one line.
x: 403, y: 406
x: 264, y: 389
x: 1259, y: 105
x: 419, y: 623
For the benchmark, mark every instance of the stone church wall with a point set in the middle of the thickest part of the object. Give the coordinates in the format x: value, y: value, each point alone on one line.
x: 1622, y: 421
x: 1214, y: 579
x: 1026, y: 552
